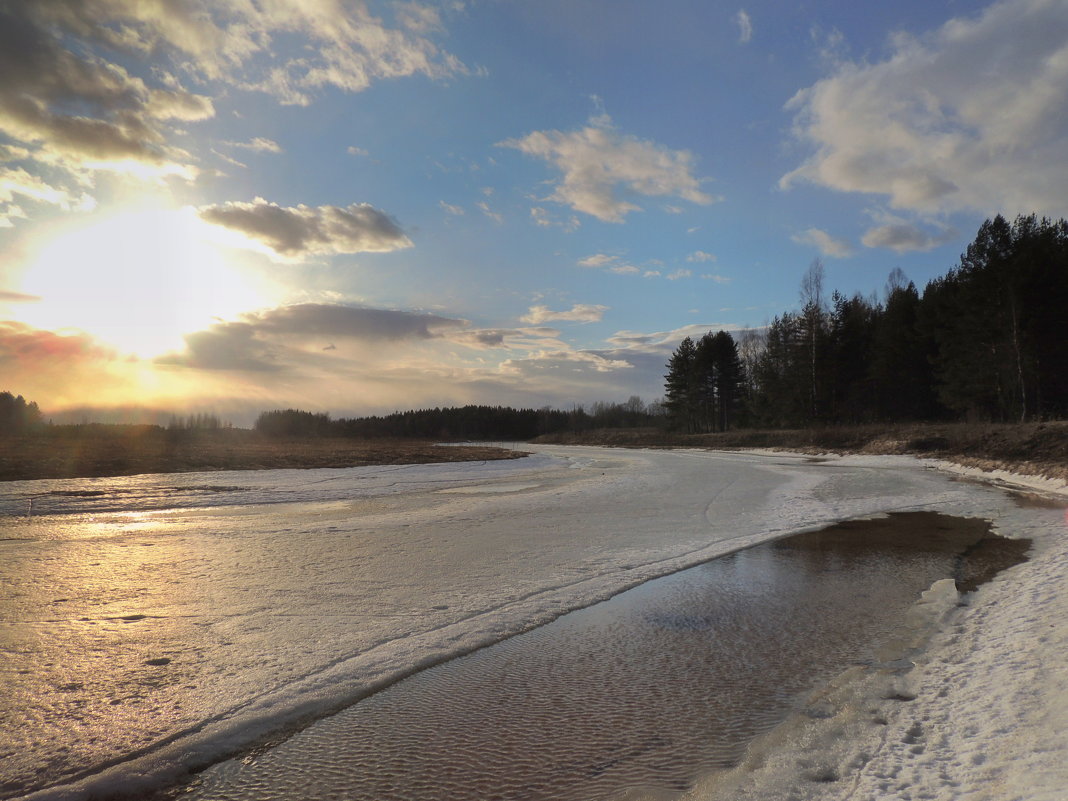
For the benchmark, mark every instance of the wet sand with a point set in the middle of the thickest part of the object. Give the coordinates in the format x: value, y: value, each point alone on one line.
x: 642, y: 693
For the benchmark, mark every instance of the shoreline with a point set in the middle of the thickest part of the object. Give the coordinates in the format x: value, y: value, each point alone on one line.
x: 94, y: 451
x: 137, y: 450
x: 972, y: 705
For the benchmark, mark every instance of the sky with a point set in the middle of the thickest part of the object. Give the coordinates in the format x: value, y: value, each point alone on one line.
x: 229, y: 206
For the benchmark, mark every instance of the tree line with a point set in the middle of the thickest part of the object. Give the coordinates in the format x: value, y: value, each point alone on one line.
x: 17, y: 415
x: 986, y: 342
x: 471, y: 422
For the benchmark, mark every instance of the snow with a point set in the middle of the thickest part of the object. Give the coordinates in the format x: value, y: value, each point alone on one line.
x: 974, y: 707
x: 279, y: 596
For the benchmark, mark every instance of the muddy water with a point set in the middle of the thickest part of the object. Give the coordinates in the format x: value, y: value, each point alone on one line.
x: 644, y: 691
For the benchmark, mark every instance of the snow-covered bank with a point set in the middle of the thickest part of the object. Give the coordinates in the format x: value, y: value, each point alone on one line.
x: 974, y: 707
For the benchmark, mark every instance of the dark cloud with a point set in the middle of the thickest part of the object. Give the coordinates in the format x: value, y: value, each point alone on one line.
x: 80, y: 107
x: 226, y: 346
x: 327, y: 319
x: 305, y: 230
x: 268, y: 341
x: 903, y: 237
x: 503, y: 337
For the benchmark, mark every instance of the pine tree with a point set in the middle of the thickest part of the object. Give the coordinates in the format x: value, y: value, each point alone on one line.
x: 680, y: 390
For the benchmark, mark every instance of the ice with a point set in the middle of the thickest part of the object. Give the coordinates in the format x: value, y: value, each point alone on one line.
x: 278, y: 596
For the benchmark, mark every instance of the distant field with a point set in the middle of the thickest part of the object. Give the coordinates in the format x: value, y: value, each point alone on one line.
x: 129, y: 450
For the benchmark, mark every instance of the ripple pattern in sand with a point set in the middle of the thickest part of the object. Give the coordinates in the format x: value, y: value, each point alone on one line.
x: 647, y: 690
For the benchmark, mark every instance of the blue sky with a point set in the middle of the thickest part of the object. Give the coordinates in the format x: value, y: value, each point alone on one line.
x: 360, y: 207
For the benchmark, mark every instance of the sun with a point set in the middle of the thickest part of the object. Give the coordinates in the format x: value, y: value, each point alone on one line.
x: 138, y: 280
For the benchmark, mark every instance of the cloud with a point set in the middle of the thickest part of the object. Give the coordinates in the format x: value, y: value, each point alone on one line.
x: 259, y: 144
x: 448, y: 208
x: 677, y: 274
x: 580, y: 313
x: 597, y: 260
x: 16, y: 182
x: 299, y: 231
x: 485, y: 209
x: 825, y: 243
x: 274, y: 339
x: 902, y: 237
x: 81, y: 110
x: 352, y: 150
x: 575, y: 361
x: 535, y: 338
x: 38, y: 349
x: 544, y: 219
x: 745, y: 27
x: 970, y: 117
x: 98, y: 85
x: 17, y: 297
x: 602, y: 169
x: 700, y: 256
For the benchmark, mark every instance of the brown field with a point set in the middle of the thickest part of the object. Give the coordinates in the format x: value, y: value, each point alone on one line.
x: 81, y: 451
x: 1039, y: 449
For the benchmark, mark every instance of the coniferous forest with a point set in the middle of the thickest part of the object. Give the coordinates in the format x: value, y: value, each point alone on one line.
x: 986, y: 342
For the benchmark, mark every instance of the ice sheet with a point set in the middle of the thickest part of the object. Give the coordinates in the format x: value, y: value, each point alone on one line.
x: 156, y: 623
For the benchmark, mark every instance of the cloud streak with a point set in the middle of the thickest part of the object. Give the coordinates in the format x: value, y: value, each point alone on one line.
x: 578, y: 313
x: 745, y: 27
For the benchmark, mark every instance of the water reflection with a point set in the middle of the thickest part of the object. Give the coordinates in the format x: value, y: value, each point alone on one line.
x: 99, y: 651
x: 649, y: 689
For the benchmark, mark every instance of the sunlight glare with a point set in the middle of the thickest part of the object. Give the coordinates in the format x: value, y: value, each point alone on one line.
x: 138, y: 280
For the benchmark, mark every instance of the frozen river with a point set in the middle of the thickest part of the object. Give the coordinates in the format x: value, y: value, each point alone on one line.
x: 150, y: 624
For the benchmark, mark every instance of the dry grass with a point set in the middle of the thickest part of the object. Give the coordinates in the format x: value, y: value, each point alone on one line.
x: 1039, y: 449
x: 130, y: 450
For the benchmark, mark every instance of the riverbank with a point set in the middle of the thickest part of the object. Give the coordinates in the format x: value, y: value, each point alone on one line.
x: 98, y: 450
x: 1030, y: 449
x: 973, y: 706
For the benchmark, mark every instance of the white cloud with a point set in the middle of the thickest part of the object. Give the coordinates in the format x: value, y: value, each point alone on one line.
x: 971, y: 117
x: 602, y: 169
x: 624, y: 269
x: 675, y: 276
x: 700, y: 256
x: 544, y: 219
x: 352, y: 150
x: 295, y: 232
x: 745, y: 26
x: 718, y: 279
x: 825, y: 243
x: 598, y: 260
x: 448, y: 208
x: 493, y: 215
x: 578, y: 313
